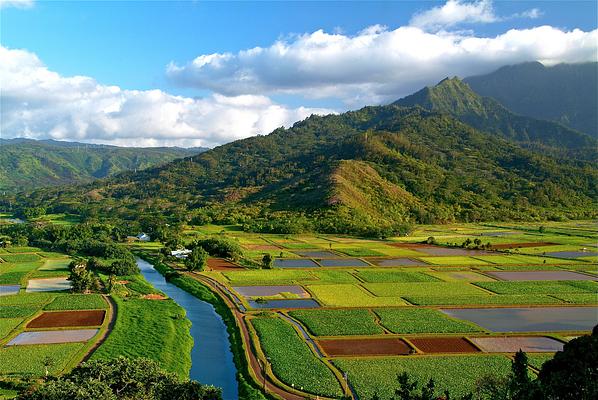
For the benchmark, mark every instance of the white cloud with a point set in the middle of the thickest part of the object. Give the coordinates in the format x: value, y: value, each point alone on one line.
x: 39, y: 103
x: 377, y: 64
x: 455, y: 12
x: 16, y: 3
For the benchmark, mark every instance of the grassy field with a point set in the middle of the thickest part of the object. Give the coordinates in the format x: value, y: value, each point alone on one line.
x: 422, y: 320
x: 292, y: 360
x: 345, y: 295
x: 338, y: 322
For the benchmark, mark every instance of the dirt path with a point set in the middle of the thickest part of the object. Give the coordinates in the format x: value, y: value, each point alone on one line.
x: 111, y: 315
x: 254, y: 363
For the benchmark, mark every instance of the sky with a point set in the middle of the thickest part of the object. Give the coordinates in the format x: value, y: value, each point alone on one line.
x: 197, y: 73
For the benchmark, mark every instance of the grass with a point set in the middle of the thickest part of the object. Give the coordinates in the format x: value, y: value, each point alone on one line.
x: 156, y: 329
x: 292, y: 360
x: 534, y: 287
x: 22, y: 249
x: 422, y: 289
x: 27, y: 298
x: 77, y: 302
x: 12, y: 278
x: 29, y: 360
x: 422, y: 320
x: 458, y: 374
x: 18, y: 258
x: 53, y: 265
x: 456, y: 300
x: 342, y: 295
x: 7, y: 325
x: 394, y: 276
x: 338, y: 322
x: 578, y: 298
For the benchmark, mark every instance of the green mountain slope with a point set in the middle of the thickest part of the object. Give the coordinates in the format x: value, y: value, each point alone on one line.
x: 454, y: 97
x: 565, y: 93
x: 29, y: 164
x: 368, y: 171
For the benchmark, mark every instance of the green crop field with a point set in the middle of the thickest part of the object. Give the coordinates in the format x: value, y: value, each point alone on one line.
x: 18, y: 258
x: 455, y: 373
x: 292, y: 360
x: 452, y: 260
x: 359, y: 252
x: 77, y: 302
x: 7, y: 325
x: 422, y: 320
x: 23, y: 311
x: 422, y: 289
x: 457, y: 300
x: 28, y: 360
x: 386, y: 275
x: 338, y: 322
x: 266, y: 277
x: 342, y: 295
x: 578, y: 298
x: 537, y: 287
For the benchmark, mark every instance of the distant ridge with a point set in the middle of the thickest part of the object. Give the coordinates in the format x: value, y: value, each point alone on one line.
x: 565, y: 93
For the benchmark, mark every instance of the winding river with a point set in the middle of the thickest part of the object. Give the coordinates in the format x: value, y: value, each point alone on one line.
x: 211, y: 358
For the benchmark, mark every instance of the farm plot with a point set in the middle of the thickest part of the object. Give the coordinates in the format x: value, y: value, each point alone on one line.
x: 541, y: 276
x: 342, y: 262
x: 7, y: 325
x: 452, y: 260
x: 316, y: 254
x: 294, y: 263
x: 220, y: 264
x: 364, y: 347
x: 448, y: 251
x: 443, y: 345
x: 482, y: 299
x: 19, y: 258
x: 458, y: 373
x: 515, y: 343
x: 578, y: 298
x: 18, y: 311
x: 284, y: 304
x: 536, y: 287
x: 359, y: 252
x: 58, y: 319
x: 29, y: 360
x: 267, y: 277
x: 6, y: 290
x: 423, y: 288
x: 517, y: 259
x: 338, y: 322
x: 53, y: 337
x: 48, y: 285
x: 390, y: 276
x: 269, y: 291
x: 460, y: 276
x: 561, y: 254
x: 343, y: 295
x: 422, y: 320
x: 292, y: 360
x: 77, y: 302
x: 541, y: 319
x: 396, y: 262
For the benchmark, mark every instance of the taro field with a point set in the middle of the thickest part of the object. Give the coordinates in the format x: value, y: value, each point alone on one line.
x: 450, y: 302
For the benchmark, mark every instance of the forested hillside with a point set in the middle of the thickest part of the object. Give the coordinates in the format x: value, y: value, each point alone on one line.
x: 565, y: 93
x: 371, y: 171
x: 30, y: 164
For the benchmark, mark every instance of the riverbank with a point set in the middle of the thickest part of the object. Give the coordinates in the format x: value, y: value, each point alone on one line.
x: 246, y: 390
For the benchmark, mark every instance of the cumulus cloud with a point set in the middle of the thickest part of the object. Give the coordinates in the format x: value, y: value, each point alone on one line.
x: 39, y: 103
x: 377, y: 64
x: 455, y: 12
x: 16, y: 3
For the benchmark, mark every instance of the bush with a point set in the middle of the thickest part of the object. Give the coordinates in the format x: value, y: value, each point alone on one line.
x: 220, y: 247
x: 123, y: 267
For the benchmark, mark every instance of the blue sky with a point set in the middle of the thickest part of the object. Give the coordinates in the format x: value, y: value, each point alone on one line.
x: 131, y: 44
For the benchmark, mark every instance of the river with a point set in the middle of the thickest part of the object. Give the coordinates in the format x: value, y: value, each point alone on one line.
x: 211, y: 358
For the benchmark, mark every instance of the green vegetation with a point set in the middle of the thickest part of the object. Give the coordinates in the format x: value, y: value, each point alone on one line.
x: 457, y: 299
x: 77, y: 302
x: 7, y: 325
x: 539, y: 287
x: 18, y: 258
x: 458, y: 374
x: 422, y: 320
x: 292, y: 360
x: 342, y: 295
x: 338, y: 322
x: 29, y: 360
x: 17, y: 311
x: 381, y: 276
x: 422, y: 289
x: 30, y: 164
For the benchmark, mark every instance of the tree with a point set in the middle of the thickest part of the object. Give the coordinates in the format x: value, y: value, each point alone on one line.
x: 197, y: 259
x: 122, y: 379
x: 520, y: 383
x: 48, y: 363
x: 82, y: 279
x: 267, y: 261
x: 124, y: 266
x: 111, y: 283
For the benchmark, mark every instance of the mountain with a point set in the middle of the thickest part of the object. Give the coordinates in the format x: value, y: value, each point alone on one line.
x: 28, y: 164
x: 565, y: 93
x: 455, y: 97
x: 367, y: 172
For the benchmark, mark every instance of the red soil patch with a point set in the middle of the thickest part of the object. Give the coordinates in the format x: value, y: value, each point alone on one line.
x: 444, y: 345
x: 263, y: 247
x: 516, y: 245
x: 68, y: 318
x: 122, y: 282
x: 154, y: 296
x: 364, y: 347
x: 219, y: 264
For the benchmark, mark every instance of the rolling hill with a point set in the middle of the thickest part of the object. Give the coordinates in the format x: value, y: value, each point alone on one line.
x: 565, y: 93
x: 27, y: 164
x: 367, y: 172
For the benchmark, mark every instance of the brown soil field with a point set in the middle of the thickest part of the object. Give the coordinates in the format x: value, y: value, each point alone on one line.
x: 68, y: 318
x: 515, y: 245
x: 364, y: 347
x: 444, y: 345
x: 219, y: 264
x: 154, y: 296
